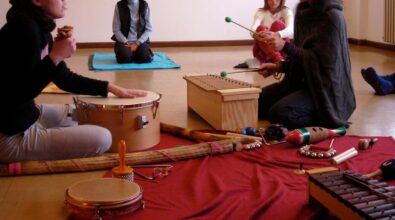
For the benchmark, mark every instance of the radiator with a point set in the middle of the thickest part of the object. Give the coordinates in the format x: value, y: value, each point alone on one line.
x: 389, y: 29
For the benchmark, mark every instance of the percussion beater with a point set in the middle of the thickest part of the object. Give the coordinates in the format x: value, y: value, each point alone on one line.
x: 229, y: 20
x: 224, y: 74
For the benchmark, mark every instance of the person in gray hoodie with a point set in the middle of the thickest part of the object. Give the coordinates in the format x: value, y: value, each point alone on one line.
x: 317, y: 87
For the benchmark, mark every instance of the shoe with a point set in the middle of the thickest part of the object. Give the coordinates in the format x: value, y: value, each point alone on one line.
x: 379, y: 84
x: 253, y: 63
x: 241, y: 66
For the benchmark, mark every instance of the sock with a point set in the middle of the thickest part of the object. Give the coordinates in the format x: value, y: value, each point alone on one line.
x: 379, y: 84
x: 391, y: 78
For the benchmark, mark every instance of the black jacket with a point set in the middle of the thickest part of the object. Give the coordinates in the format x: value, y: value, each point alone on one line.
x: 24, y: 74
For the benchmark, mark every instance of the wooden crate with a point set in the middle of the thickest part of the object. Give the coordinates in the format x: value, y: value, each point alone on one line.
x: 225, y: 109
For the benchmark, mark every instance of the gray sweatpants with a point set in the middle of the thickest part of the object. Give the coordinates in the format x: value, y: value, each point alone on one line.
x: 55, y: 136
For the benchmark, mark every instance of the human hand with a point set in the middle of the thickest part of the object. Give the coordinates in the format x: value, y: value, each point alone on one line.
x: 63, y: 49
x: 274, y: 41
x: 260, y: 36
x: 124, y: 92
x: 268, y: 69
x: 260, y: 32
x: 132, y: 46
x: 64, y: 32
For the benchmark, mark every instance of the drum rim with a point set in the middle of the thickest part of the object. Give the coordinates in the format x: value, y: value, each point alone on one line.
x: 69, y: 197
x: 79, y: 102
x: 102, y: 206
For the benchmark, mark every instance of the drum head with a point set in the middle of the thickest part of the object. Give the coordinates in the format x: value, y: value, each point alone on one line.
x: 103, y: 191
x: 113, y: 101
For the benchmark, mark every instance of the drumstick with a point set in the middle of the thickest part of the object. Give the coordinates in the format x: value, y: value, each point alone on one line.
x: 224, y: 74
x: 228, y: 19
x: 121, y: 153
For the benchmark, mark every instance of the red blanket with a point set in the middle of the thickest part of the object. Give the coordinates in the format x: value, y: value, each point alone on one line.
x: 257, y: 184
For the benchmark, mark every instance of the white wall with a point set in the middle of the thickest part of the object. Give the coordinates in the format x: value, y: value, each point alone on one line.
x: 173, y: 20
x: 365, y: 19
x: 203, y: 20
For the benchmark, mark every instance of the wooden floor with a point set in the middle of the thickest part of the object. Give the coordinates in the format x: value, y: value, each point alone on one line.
x: 41, y: 197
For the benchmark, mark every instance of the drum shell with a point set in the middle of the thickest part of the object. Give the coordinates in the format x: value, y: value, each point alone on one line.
x: 122, y: 121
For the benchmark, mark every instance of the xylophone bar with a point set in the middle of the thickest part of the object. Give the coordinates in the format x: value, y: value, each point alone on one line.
x: 353, y: 196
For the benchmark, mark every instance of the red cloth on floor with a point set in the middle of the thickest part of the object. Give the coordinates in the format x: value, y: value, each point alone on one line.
x: 256, y: 184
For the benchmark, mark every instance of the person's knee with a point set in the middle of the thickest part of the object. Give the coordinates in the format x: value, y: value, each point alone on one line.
x: 290, y: 118
x: 103, y: 140
x: 122, y: 58
x: 144, y: 54
x: 283, y: 116
x: 277, y: 25
x: 144, y: 59
x: 123, y: 54
x: 261, y: 28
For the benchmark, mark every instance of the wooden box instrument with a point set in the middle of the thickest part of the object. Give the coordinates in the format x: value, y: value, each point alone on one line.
x: 350, y: 195
x: 224, y: 103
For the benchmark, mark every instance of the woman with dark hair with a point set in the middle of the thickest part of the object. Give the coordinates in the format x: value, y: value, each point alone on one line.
x: 317, y: 87
x: 30, y: 60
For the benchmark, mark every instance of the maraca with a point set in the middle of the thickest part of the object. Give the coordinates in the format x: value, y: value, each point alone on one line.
x: 310, y: 135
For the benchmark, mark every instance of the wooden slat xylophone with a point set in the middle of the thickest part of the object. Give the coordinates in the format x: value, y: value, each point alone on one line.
x: 212, y: 82
x: 351, y: 195
x: 224, y: 103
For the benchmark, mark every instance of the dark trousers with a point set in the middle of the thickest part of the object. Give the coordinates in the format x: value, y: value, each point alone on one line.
x: 143, y: 54
x: 293, y: 108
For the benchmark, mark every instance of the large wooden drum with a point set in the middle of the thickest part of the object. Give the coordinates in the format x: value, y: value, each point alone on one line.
x: 96, y: 198
x: 134, y: 120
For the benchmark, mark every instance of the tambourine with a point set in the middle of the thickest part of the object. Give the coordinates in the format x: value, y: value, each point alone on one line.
x: 95, y: 198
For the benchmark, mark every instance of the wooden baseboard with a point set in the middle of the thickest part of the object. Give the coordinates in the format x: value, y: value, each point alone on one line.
x: 174, y: 44
x: 225, y: 43
x: 372, y: 44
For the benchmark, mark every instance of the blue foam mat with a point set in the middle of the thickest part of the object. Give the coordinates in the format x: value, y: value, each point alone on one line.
x: 107, y: 61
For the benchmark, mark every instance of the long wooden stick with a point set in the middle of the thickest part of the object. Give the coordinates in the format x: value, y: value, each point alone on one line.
x: 192, y: 134
x: 228, y: 19
x: 109, y: 161
x: 244, y: 71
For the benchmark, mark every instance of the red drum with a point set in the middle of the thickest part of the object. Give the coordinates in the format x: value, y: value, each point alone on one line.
x: 134, y: 120
x: 95, y: 198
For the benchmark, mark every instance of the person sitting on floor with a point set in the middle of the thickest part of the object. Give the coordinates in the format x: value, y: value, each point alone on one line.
x: 30, y: 60
x: 274, y: 17
x: 280, y: 19
x: 132, y: 27
x: 382, y: 85
x: 317, y: 87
